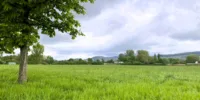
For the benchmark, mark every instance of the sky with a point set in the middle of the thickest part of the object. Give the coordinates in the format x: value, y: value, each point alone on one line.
x: 113, y: 26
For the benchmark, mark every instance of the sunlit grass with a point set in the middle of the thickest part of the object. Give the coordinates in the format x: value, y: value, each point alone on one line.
x: 110, y: 82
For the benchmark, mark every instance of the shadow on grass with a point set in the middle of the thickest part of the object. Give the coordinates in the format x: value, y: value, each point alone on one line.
x: 172, y: 77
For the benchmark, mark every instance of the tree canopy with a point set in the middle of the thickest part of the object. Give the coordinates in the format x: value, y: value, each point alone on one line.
x: 36, y: 56
x: 21, y: 20
x: 192, y: 58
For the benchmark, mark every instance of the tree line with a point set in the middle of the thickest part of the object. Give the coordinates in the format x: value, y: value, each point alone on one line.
x: 130, y: 57
x: 142, y: 57
x: 37, y: 57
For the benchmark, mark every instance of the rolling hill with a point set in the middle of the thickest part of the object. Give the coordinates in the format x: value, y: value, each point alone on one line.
x: 180, y: 55
x: 176, y: 55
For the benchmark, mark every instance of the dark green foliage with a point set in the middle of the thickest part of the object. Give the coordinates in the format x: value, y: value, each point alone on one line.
x: 155, y: 58
x: 1, y: 55
x: 130, y: 55
x: 136, y: 63
x: 159, y: 60
x: 49, y: 60
x: 165, y: 61
x: 102, y: 60
x: 36, y: 56
x: 97, y: 62
x: 89, y: 60
x: 1, y: 62
x: 143, y: 56
x: 110, y: 61
x: 127, y: 57
x: 174, y: 61
x: 122, y: 57
x: 10, y: 58
x: 20, y: 21
x: 151, y: 60
x: 192, y: 58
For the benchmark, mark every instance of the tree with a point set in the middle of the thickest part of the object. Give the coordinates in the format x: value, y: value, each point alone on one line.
x: 159, y: 58
x: 90, y: 60
x: 102, y: 60
x: 37, y: 54
x: 97, y: 62
x: 174, y: 61
x: 165, y: 61
x: 130, y: 55
x: 143, y: 56
x: 192, y: 58
x: 49, y: 60
x: 20, y: 21
x: 110, y: 61
x: 1, y: 55
x: 81, y: 61
x: 151, y: 60
x: 122, y: 58
x: 10, y: 58
x: 155, y: 58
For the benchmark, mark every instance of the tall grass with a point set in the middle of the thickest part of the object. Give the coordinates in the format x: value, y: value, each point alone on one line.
x: 108, y: 82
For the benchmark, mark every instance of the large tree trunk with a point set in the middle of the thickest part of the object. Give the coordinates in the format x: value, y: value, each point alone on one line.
x: 22, y: 78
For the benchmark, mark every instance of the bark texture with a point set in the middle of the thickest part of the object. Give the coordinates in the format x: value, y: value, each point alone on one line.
x: 22, y: 78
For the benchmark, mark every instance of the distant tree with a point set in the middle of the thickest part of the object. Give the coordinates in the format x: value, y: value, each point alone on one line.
x: 122, y: 57
x: 10, y: 58
x: 110, y: 61
x: 159, y: 58
x: 174, y: 61
x: 165, y: 61
x: 143, y: 56
x: 192, y: 58
x: 155, y: 58
x: 1, y: 55
x: 70, y: 61
x: 20, y: 21
x: 102, y: 60
x: 97, y: 62
x: 37, y: 54
x: 130, y: 55
x: 89, y: 60
x: 151, y: 60
x: 81, y: 62
x: 49, y: 60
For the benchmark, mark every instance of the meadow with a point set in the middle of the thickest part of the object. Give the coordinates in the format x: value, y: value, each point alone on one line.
x: 101, y: 82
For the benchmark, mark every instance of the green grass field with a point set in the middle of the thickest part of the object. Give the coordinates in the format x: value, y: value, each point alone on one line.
x: 110, y: 82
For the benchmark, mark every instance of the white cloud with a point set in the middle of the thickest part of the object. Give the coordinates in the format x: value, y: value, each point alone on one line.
x: 133, y: 24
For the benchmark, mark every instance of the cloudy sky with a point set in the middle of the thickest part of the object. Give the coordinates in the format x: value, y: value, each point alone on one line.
x: 113, y: 26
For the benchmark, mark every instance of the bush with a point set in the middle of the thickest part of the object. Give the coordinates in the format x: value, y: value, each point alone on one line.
x: 1, y: 62
x: 138, y: 63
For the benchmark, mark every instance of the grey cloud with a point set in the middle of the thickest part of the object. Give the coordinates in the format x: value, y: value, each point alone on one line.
x: 95, y: 9
x: 133, y: 43
x: 60, y: 37
x: 193, y: 35
x: 160, y: 26
x: 92, y: 11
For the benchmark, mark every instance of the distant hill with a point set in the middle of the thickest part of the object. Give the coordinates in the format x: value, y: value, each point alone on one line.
x: 177, y: 55
x: 180, y: 55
